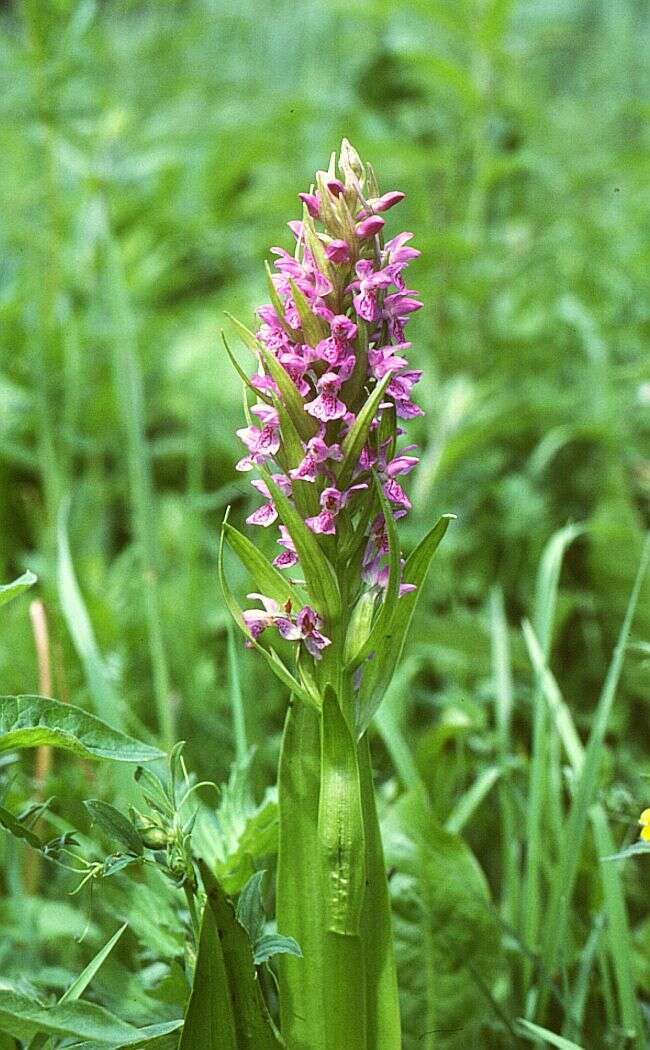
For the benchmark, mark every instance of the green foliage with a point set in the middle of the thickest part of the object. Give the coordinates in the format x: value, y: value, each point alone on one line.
x: 447, y: 939
x: 34, y: 721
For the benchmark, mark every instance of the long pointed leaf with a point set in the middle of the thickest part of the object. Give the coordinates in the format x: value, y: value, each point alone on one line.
x: 209, y: 1019
x: 378, y: 673
x: 319, y: 574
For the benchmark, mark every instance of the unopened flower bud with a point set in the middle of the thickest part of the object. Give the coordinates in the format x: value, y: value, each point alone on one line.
x: 336, y: 187
x: 350, y: 162
x: 386, y: 201
x: 312, y: 201
x: 369, y: 227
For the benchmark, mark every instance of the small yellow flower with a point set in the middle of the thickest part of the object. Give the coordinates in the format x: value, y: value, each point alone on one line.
x: 644, y: 821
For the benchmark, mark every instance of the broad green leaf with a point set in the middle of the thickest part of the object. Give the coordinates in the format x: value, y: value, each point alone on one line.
x: 357, y: 436
x: 12, y: 590
x: 377, y: 675
x: 534, y: 1033
x: 30, y: 721
x: 250, y: 907
x: 209, y: 1020
x: 23, y: 1017
x: 340, y: 821
x: 161, y: 1036
x: 445, y: 932
x: 119, y: 828
x: 253, y: 1025
x: 270, y: 944
x: 319, y: 575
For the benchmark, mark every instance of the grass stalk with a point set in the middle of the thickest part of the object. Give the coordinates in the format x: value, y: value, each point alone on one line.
x: 129, y: 395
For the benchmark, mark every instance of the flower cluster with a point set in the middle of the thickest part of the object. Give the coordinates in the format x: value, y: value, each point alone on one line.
x: 336, y: 327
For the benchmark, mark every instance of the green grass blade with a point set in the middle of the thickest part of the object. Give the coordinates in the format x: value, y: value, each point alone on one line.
x: 567, y: 867
x: 534, y: 1033
x: 129, y: 396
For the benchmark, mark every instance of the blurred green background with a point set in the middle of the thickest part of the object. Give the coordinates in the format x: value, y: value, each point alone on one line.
x: 150, y: 154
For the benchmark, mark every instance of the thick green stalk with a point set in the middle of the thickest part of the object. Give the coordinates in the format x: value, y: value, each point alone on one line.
x: 343, y: 992
x: 382, y: 1001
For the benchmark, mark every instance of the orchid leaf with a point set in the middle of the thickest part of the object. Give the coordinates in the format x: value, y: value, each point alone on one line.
x: 247, y: 337
x: 357, y: 436
x: 253, y: 1026
x: 313, y: 327
x: 378, y: 673
x: 376, y: 637
x: 271, y: 657
x: 340, y: 821
x: 266, y: 578
x: 209, y: 1019
x: 295, y: 406
x: 242, y: 375
x: 319, y: 574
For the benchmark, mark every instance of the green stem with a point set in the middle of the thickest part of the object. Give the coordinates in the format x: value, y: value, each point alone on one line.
x: 343, y: 992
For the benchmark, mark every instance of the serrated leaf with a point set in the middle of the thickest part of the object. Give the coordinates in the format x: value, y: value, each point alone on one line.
x: 319, y: 575
x: 378, y: 674
x: 357, y: 436
x: 340, y: 821
x: 12, y: 590
x: 30, y: 721
x: 118, y: 828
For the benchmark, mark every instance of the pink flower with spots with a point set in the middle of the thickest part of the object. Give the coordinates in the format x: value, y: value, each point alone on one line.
x: 327, y: 405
